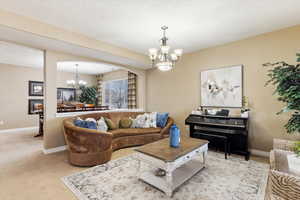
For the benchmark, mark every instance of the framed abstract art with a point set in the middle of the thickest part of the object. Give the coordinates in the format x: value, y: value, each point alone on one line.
x: 222, y: 87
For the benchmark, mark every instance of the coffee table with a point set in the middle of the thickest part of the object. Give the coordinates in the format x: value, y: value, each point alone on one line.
x: 178, y: 163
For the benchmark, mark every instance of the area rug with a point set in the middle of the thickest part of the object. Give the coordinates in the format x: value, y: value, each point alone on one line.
x: 232, y: 179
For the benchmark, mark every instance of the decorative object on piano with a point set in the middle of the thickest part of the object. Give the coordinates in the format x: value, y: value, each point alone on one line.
x: 197, y: 112
x: 223, y: 112
x: 211, y: 111
x: 66, y: 95
x: 286, y: 79
x: 216, y: 112
x: 35, y: 88
x: 245, y: 110
x: 245, y: 113
x: 35, y: 106
x: 222, y: 87
x: 174, y: 136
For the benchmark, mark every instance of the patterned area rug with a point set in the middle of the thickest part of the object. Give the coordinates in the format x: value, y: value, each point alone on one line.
x: 232, y: 179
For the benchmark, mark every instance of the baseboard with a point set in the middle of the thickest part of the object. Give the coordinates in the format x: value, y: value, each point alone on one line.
x: 16, y: 130
x: 259, y: 153
x: 54, y: 150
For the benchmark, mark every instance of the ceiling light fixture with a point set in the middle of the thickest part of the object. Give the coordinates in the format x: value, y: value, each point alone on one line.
x: 161, y: 58
x: 76, y: 83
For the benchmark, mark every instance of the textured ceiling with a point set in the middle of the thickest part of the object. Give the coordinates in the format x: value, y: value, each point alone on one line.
x: 135, y: 24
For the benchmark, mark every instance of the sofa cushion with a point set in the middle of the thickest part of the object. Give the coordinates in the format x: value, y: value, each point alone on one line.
x: 125, y: 123
x: 133, y: 131
x: 101, y: 125
x: 117, y: 116
x: 85, y: 124
x: 150, y: 120
x: 110, y: 124
x: 161, y: 119
x: 139, y: 121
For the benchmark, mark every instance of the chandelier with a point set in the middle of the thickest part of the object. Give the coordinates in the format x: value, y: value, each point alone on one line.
x: 161, y: 58
x: 76, y: 83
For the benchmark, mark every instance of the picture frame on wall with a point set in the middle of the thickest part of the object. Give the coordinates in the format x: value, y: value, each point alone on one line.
x: 222, y: 87
x: 35, y: 88
x: 35, y: 106
x: 65, y: 95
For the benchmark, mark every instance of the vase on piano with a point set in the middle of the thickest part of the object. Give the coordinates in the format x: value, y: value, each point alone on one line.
x: 174, y: 136
x: 245, y: 114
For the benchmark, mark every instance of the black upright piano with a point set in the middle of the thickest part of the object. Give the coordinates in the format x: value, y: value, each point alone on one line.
x: 233, y: 128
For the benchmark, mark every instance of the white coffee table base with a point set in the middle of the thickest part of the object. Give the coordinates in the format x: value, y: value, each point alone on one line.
x: 177, y: 172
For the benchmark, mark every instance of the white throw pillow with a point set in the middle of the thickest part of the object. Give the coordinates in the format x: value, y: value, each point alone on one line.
x: 139, y: 121
x: 146, y: 120
x: 90, y: 120
x: 150, y: 120
x: 101, y: 125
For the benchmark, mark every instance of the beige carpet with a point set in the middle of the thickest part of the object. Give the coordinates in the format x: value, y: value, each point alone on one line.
x: 27, y: 174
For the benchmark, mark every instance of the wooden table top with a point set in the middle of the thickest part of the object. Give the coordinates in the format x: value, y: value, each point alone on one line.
x: 162, y: 150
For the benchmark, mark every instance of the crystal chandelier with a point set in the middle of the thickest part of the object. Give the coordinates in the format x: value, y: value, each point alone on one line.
x: 161, y: 57
x: 76, y: 83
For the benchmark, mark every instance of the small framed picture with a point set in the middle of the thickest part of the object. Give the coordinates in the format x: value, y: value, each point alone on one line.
x: 35, y: 106
x: 36, y: 88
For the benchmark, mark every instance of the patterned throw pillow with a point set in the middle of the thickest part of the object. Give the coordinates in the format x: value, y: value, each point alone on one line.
x: 139, y: 121
x: 125, y: 123
x: 111, y: 125
x: 146, y: 120
x: 85, y: 123
x: 150, y: 120
x: 101, y: 125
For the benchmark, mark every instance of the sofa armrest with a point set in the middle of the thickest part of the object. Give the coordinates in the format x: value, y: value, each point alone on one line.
x: 165, y: 131
x: 281, y: 144
x: 283, y: 185
x: 83, y: 140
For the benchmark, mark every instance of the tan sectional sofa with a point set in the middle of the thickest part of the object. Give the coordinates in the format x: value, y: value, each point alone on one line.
x: 88, y: 147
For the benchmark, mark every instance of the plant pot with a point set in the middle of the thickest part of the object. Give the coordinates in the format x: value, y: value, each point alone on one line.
x: 245, y: 114
x: 294, y: 163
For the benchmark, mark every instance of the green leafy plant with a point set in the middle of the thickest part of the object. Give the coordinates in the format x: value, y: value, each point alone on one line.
x: 286, y: 78
x: 88, y: 94
x: 297, y: 148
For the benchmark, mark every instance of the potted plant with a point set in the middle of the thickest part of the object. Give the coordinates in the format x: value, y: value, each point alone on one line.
x: 245, y: 109
x: 286, y: 78
x: 88, y: 95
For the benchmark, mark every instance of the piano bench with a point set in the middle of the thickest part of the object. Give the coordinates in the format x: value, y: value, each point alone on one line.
x: 218, y: 139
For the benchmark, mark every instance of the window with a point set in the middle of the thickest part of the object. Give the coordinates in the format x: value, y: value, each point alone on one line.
x: 115, y: 93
